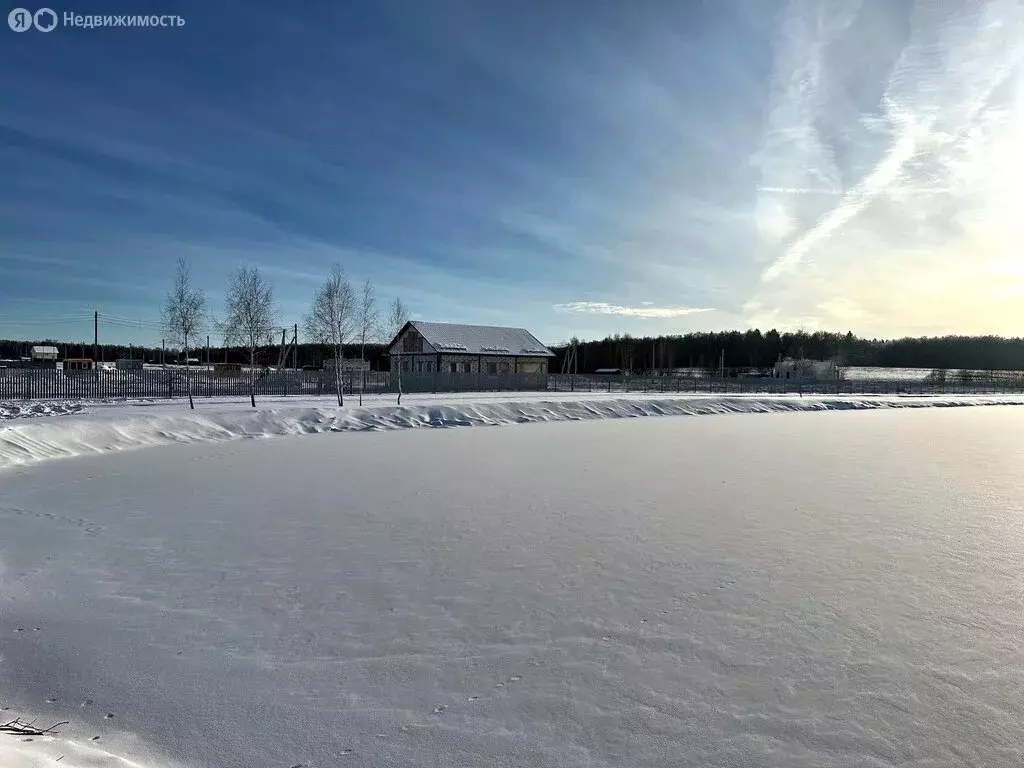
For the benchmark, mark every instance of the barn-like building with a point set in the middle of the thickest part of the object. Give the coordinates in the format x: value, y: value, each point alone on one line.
x: 422, y: 347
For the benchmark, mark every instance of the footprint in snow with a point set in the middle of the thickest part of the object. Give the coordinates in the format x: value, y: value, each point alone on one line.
x: 515, y: 679
x: 473, y: 698
x: 95, y: 738
x: 108, y: 716
x: 440, y: 709
x: 51, y: 701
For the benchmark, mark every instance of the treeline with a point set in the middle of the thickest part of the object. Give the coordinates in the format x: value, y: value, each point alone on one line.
x: 761, y: 350
x: 749, y: 349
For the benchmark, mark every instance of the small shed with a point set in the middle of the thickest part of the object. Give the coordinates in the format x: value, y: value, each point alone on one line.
x: 227, y: 370
x: 816, y: 370
x: 78, y: 364
x: 347, y: 364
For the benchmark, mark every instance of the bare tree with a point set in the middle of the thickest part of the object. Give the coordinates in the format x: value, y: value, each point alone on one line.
x: 397, y: 317
x: 250, y: 316
x: 184, y: 315
x: 334, y: 318
x: 369, y: 319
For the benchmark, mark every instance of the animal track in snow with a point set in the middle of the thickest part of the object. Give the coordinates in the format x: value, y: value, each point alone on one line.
x: 90, y: 528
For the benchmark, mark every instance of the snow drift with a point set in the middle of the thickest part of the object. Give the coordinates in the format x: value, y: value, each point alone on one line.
x: 121, y: 428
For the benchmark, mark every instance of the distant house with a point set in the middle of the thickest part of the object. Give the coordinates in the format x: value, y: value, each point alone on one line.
x: 482, y: 349
x: 348, y: 364
x: 817, y: 370
x: 127, y: 364
x: 44, y: 353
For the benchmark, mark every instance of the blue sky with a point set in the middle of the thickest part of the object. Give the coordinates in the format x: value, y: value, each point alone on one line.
x: 575, y: 168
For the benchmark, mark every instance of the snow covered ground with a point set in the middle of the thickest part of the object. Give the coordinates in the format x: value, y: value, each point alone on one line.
x: 800, y: 589
x: 85, y: 428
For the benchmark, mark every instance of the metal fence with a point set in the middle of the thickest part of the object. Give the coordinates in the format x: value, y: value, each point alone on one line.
x: 29, y: 383
x: 54, y: 384
x: 778, y: 386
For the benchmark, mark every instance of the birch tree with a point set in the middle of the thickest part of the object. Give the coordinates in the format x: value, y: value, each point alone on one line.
x: 369, y: 319
x: 184, y: 315
x: 250, y: 316
x: 397, y: 317
x: 334, y: 318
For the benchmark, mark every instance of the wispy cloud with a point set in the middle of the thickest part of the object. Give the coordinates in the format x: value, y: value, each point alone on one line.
x: 645, y: 310
x: 924, y: 159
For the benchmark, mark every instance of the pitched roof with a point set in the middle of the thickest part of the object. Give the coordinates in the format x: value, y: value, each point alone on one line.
x: 481, y: 339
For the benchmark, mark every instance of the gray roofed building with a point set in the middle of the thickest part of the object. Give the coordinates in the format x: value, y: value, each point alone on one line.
x: 455, y: 348
x: 479, y: 339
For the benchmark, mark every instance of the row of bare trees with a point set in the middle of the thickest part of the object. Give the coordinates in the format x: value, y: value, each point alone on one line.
x: 338, y: 316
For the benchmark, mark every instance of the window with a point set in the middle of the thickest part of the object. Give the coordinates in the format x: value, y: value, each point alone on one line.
x: 455, y: 367
x: 492, y: 368
x: 467, y: 367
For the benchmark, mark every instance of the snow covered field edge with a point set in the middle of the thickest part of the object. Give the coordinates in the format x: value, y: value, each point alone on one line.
x: 122, y: 428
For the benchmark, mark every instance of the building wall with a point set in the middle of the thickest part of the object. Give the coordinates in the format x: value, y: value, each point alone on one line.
x: 504, y: 363
x: 427, y: 363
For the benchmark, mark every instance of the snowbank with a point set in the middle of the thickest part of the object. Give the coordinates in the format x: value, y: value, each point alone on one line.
x: 126, y: 427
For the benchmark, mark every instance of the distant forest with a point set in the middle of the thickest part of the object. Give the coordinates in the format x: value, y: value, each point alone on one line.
x: 754, y: 349
x: 749, y: 349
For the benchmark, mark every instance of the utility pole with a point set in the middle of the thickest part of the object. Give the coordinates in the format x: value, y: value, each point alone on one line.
x: 295, y: 347
x: 163, y: 351
x: 95, y: 337
x: 207, y: 350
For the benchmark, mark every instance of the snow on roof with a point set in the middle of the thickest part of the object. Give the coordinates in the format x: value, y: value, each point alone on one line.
x: 44, y: 350
x: 481, y: 339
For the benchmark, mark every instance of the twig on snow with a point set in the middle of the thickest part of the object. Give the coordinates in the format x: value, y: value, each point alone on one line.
x: 19, y: 727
